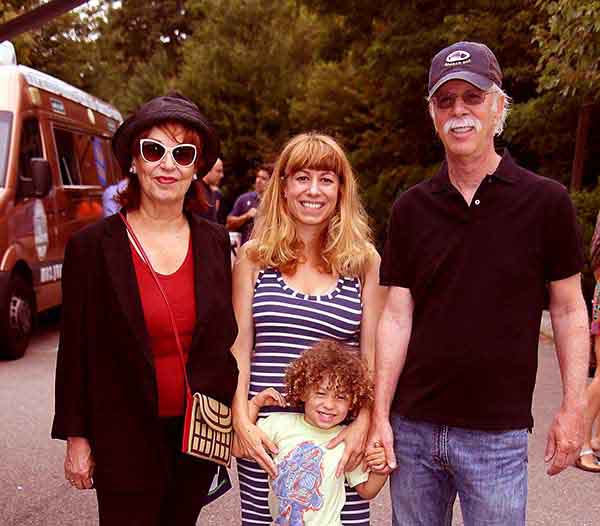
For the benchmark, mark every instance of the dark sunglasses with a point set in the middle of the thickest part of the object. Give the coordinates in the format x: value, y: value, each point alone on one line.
x: 153, y: 151
x: 470, y: 98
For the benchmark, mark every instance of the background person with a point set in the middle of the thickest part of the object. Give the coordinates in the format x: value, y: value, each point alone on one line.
x: 119, y: 378
x: 309, y: 272
x: 216, y: 183
x: 110, y: 204
x: 587, y: 460
x: 210, y: 187
x: 218, y: 201
x: 241, y: 217
x: 469, y: 258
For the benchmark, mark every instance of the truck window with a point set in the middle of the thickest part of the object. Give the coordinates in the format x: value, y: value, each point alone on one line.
x: 5, y: 129
x: 31, y: 146
x: 102, y: 153
x: 67, y: 157
x: 85, y: 155
x: 82, y: 158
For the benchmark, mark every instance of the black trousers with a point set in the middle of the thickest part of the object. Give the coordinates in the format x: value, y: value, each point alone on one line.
x: 187, y: 484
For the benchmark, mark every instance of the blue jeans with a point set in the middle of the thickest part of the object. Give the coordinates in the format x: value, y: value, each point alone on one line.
x: 488, y: 471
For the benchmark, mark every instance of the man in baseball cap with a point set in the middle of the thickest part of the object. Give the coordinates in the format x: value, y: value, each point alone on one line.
x: 469, y: 61
x: 470, y: 255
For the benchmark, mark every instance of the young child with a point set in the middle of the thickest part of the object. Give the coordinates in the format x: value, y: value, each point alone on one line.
x: 329, y: 382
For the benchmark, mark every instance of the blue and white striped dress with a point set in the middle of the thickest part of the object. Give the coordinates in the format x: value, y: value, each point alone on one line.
x: 286, y: 323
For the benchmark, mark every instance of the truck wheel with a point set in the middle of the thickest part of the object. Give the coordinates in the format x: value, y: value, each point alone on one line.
x: 17, y: 312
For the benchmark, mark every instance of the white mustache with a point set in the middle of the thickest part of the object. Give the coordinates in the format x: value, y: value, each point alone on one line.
x: 462, y: 122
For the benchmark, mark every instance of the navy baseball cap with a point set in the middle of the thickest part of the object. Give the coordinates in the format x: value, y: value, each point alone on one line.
x: 472, y: 62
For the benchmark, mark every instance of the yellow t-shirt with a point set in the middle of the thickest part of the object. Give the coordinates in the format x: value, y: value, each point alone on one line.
x: 306, y: 491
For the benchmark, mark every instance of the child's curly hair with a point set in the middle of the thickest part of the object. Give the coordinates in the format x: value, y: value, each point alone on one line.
x: 347, y: 373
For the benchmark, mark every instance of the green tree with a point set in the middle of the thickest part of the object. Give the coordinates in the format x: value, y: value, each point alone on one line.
x: 60, y: 47
x: 569, y: 44
x: 264, y: 70
x: 137, y: 54
x: 373, y: 98
x: 136, y: 30
x: 243, y: 69
x: 124, y: 52
x: 10, y: 9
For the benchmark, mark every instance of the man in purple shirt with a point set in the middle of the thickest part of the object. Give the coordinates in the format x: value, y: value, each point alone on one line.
x: 241, y: 217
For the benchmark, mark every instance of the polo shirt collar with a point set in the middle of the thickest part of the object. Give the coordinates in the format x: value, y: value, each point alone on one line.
x: 506, y: 172
x: 507, y: 169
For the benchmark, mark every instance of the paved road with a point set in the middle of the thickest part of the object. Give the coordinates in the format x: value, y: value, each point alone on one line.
x: 33, y: 492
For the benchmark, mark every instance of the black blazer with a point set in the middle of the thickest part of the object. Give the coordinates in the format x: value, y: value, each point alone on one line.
x: 105, y: 380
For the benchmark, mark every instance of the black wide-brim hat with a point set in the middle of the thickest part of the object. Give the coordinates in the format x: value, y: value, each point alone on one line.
x: 170, y: 107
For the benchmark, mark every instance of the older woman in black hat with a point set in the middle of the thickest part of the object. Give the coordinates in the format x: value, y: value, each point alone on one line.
x: 120, y: 378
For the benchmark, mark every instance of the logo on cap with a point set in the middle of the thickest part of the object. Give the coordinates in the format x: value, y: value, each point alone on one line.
x: 458, y: 57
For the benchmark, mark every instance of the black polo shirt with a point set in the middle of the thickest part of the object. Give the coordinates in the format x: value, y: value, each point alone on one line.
x: 478, y: 277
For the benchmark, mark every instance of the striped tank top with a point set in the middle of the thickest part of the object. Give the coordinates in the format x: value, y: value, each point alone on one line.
x: 287, y: 322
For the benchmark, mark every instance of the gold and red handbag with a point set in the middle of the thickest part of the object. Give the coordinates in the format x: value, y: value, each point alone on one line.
x: 208, y: 430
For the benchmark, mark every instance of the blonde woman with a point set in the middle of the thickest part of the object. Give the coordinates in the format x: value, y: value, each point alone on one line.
x: 309, y: 272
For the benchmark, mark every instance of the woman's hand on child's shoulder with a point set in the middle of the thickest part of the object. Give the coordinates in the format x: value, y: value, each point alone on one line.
x: 376, y: 461
x: 270, y: 396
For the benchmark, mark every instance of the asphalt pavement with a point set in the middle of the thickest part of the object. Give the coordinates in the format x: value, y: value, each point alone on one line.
x: 33, y: 491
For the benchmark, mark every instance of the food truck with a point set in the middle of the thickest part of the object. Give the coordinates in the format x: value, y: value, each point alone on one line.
x: 55, y: 160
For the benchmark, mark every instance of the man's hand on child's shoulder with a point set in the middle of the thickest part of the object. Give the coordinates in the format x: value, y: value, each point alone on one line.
x: 270, y: 396
x: 375, y: 460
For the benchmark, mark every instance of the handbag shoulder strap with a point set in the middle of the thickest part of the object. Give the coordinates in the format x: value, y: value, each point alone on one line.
x: 144, y: 256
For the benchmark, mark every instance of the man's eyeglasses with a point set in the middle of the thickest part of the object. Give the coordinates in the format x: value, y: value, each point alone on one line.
x: 153, y: 151
x: 470, y: 97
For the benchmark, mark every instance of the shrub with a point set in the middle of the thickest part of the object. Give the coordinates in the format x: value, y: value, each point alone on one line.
x: 587, y: 204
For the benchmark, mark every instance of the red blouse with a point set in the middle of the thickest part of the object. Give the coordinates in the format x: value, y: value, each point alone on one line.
x: 179, y: 289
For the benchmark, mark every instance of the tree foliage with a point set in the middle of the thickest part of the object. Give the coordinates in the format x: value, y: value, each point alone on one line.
x: 244, y: 70
x: 61, y: 47
x: 376, y: 100
x: 263, y: 70
x: 569, y: 42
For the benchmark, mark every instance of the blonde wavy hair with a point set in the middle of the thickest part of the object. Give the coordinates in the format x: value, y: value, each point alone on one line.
x: 346, y: 247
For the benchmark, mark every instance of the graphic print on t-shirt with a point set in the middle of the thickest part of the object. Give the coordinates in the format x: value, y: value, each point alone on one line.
x: 297, y: 484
